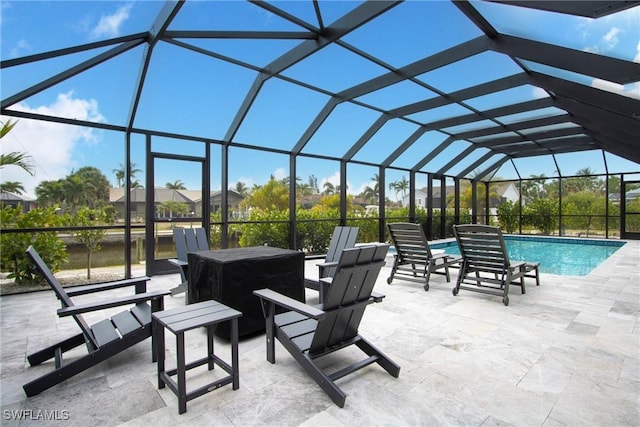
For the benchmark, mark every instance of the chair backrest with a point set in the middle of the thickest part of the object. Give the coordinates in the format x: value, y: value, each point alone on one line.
x: 482, y: 247
x: 189, y: 240
x: 409, y: 241
x: 348, y: 295
x: 342, y: 238
x: 201, y: 236
x: 62, y: 295
x: 181, y: 244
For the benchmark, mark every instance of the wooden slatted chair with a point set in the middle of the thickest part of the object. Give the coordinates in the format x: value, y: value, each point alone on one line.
x: 486, y: 266
x: 413, y: 259
x: 311, y: 332
x: 187, y: 240
x: 103, y: 339
x: 343, y: 237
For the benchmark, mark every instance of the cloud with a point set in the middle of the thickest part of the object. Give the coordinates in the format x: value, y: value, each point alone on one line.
x: 109, y: 25
x: 538, y: 92
x: 19, y: 49
x: 50, y: 145
x: 631, y: 90
x: 637, y: 57
x: 611, y: 38
x: 280, y: 173
x: 4, y: 5
x: 333, y: 179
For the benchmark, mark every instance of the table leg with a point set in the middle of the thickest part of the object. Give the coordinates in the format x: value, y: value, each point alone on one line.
x: 234, y: 354
x: 210, y: 349
x: 158, y: 333
x: 182, y: 378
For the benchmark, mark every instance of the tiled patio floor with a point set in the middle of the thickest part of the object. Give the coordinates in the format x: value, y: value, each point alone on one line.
x: 566, y: 353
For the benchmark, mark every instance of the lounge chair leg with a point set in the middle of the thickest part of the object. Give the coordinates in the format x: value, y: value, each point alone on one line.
x: 387, y: 364
x: 393, y: 269
x: 50, y: 352
x: 427, y: 275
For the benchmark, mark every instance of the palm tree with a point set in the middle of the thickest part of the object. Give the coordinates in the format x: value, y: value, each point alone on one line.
x: 372, y: 194
x: 533, y: 188
x: 12, y: 187
x: 583, y: 181
x: 74, y: 190
x: 403, y: 186
x: 119, y: 177
x: 400, y: 186
x: 121, y: 172
x: 241, y: 188
x: 50, y: 193
x: 176, y: 185
x: 22, y: 160
x: 6, y: 128
x: 329, y: 188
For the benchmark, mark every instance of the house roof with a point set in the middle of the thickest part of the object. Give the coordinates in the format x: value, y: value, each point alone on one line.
x: 500, y: 188
x: 13, y: 197
x: 161, y: 195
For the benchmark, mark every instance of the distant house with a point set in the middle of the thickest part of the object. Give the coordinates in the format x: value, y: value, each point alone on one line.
x: 505, y: 190
x: 192, y: 198
x: 14, y: 200
x: 233, y: 203
x: 633, y: 194
x: 630, y: 195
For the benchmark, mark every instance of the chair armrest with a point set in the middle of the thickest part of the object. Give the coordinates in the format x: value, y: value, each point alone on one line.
x: 327, y: 264
x: 377, y: 297
x: 115, y: 302
x: 105, y: 286
x: 289, y: 303
x: 322, y: 267
x: 178, y: 262
x: 517, y: 265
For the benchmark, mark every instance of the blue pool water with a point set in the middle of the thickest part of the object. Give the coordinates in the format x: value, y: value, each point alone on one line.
x: 568, y: 257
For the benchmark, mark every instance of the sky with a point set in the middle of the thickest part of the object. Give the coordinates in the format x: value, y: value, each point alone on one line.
x: 172, y: 103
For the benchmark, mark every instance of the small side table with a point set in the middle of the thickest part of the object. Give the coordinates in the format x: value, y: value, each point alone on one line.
x: 180, y: 320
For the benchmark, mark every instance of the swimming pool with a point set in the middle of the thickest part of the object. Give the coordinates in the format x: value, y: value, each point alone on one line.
x: 567, y: 257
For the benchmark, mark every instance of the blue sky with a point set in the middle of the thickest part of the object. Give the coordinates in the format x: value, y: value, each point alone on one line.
x: 171, y: 102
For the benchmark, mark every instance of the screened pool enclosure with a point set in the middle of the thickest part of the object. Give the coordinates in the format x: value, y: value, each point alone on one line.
x: 273, y: 121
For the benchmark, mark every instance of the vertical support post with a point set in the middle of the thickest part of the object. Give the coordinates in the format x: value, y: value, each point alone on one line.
x: 381, y: 204
x: 412, y: 195
x: 520, y: 206
x: 343, y: 192
x: 560, y: 227
x: 456, y: 203
x: 206, y: 189
x: 443, y: 207
x: 149, y: 216
x: 292, y: 202
x: 224, y: 179
x: 429, y: 228
x: 474, y: 202
x: 127, y: 208
x: 487, y: 211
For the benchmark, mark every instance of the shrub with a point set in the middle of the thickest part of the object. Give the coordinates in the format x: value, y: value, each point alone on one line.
x: 509, y: 216
x: 49, y: 246
x: 542, y: 214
